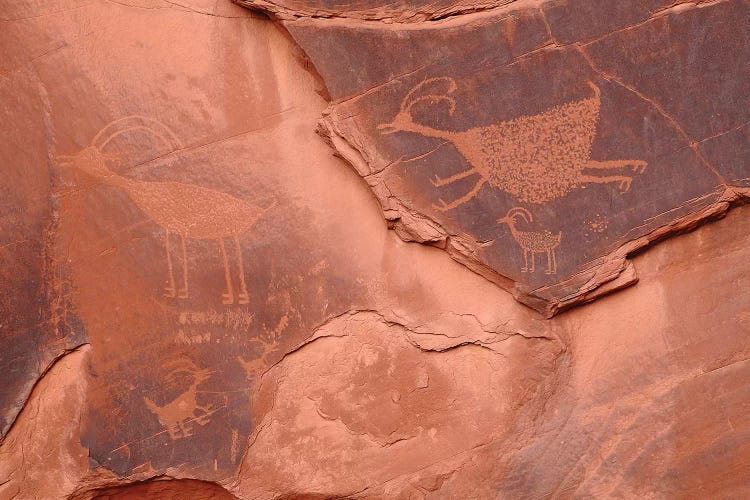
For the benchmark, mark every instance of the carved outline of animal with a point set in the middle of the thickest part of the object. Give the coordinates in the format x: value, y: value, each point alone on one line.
x: 532, y: 242
x: 267, y: 342
x: 535, y: 158
x: 190, y: 211
x: 179, y: 414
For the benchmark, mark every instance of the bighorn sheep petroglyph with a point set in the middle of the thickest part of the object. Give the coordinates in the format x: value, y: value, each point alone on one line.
x: 532, y: 242
x: 535, y: 158
x: 190, y: 211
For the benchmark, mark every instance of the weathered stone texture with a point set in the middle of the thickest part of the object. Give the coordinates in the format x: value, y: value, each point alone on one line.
x: 199, y: 300
x: 510, y: 145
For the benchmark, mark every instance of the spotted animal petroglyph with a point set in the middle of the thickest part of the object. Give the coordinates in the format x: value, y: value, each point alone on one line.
x: 180, y: 415
x: 532, y: 242
x: 190, y: 211
x: 535, y: 158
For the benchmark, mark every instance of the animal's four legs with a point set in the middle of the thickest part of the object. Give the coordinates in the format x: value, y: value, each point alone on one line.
x: 460, y: 201
x: 639, y: 166
x: 554, y: 261
x: 528, y: 268
x: 243, y: 298
x: 440, y: 181
x: 170, y: 290
x: 525, y: 267
x: 228, y: 297
x: 533, y: 258
x: 623, y: 181
x: 183, y: 294
x: 551, y: 262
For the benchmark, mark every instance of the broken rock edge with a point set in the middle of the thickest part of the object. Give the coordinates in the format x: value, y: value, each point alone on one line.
x: 600, y: 277
x: 382, y: 14
x: 390, y: 319
x: 104, y: 484
x: 418, y: 19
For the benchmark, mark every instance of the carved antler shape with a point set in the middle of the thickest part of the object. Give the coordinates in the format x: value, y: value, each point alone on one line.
x: 521, y: 212
x: 407, y: 103
x: 136, y: 122
x: 404, y: 118
x: 116, y: 128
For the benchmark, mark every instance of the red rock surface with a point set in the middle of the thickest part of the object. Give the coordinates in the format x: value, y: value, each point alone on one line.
x: 554, y: 134
x: 198, y: 300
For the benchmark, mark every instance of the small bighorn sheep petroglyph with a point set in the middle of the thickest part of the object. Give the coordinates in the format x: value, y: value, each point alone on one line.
x: 532, y: 242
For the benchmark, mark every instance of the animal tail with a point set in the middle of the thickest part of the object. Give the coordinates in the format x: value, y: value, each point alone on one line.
x: 597, y: 91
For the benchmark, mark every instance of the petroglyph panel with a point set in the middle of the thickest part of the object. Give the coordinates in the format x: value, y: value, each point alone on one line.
x: 535, y: 158
x: 501, y: 115
x: 193, y: 286
x: 189, y: 256
x: 187, y: 210
x: 161, y: 216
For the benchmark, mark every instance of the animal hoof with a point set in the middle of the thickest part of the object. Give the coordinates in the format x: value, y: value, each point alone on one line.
x: 243, y: 299
x: 183, y: 294
x: 227, y: 298
x: 169, y: 292
x: 625, y: 186
x: 640, y: 167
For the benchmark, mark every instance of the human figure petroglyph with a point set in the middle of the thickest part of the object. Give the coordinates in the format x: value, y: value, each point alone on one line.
x: 187, y: 210
x: 180, y: 414
x: 532, y: 242
x: 535, y: 158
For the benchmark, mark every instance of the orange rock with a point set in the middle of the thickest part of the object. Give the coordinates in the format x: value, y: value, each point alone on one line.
x: 320, y: 355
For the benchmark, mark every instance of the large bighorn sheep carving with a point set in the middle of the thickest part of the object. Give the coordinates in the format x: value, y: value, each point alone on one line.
x: 535, y: 158
x: 190, y: 211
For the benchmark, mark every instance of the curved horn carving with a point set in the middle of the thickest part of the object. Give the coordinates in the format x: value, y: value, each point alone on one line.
x: 136, y: 122
x: 452, y: 86
x: 521, y: 212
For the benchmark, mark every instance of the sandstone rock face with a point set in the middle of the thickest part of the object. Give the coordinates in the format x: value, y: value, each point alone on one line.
x: 540, y: 145
x: 199, y: 300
